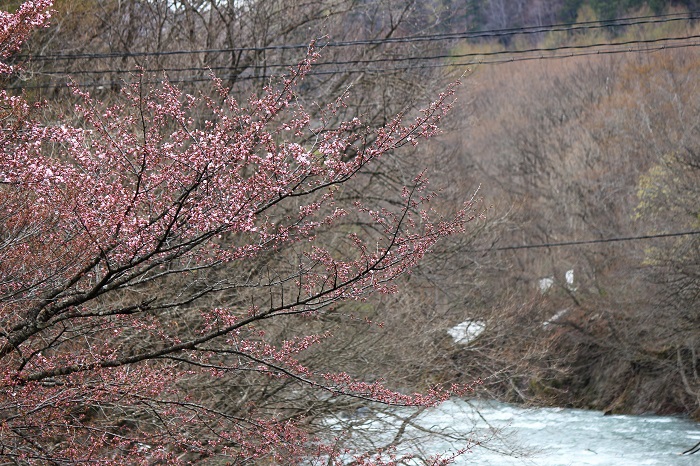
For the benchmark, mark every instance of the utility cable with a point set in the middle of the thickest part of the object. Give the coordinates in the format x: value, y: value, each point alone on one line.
x: 592, y: 241
x: 397, y: 69
x: 383, y: 59
x: 564, y: 27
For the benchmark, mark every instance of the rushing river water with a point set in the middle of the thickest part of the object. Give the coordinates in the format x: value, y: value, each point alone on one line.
x: 554, y: 436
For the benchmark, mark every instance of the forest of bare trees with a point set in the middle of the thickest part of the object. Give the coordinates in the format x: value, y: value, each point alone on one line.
x: 582, y: 172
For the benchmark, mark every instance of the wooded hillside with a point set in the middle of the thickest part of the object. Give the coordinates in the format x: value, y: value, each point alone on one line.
x: 564, y: 192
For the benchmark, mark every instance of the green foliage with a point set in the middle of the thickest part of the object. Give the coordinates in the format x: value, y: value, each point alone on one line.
x: 569, y: 11
x: 666, y: 195
x: 611, y: 9
x: 653, y: 191
x: 667, y: 200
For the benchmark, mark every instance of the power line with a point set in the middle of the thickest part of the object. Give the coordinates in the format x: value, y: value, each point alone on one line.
x: 383, y: 59
x: 592, y: 241
x: 509, y: 59
x: 563, y: 27
x: 579, y: 54
x: 236, y: 76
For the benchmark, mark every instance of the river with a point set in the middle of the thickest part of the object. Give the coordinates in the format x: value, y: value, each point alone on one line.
x: 513, y: 435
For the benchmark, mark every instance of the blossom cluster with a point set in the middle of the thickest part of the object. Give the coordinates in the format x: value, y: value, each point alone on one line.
x: 164, y: 187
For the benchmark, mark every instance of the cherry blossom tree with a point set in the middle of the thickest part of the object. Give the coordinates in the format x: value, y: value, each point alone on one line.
x: 142, y: 250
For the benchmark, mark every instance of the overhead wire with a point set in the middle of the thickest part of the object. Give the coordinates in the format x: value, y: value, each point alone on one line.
x: 551, y: 53
x: 385, y: 59
x: 561, y: 27
x: 238, y: 73
x: 591, y: 241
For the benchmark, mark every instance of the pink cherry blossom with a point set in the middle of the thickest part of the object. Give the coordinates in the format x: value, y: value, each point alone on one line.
x: 98, y: 222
